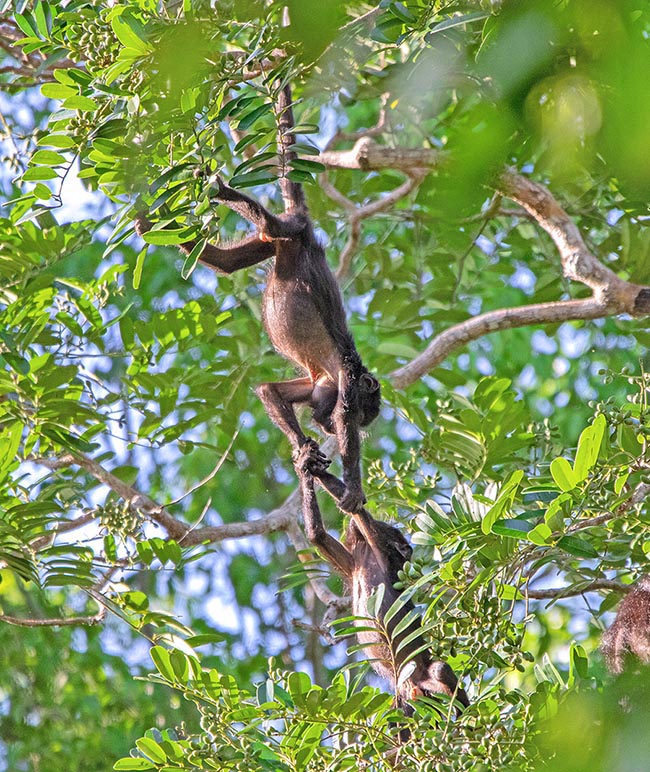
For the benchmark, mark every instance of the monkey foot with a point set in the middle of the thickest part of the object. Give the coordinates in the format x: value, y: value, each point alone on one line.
x: 310, y: 459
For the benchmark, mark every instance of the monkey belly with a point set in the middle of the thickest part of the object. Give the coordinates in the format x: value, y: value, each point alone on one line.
x: 375, y: 645
x: 297, y: 330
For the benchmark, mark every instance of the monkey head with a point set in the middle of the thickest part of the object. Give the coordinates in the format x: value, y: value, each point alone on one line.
x: 422, y: 678
x: 369, y: 398
x: 391, y: 540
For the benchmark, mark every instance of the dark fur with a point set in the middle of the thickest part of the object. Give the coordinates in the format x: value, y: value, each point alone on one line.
x: 630, y: 632
x: 373, y: 554
x: 304, y: 317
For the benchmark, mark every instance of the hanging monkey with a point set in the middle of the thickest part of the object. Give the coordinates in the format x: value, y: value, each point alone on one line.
x: 305, y: 320
x: 373, y: 554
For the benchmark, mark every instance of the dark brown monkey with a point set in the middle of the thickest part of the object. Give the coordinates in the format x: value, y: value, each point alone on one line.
x: 630, y: 632
x: 304, y: 317
x: 373, y: 554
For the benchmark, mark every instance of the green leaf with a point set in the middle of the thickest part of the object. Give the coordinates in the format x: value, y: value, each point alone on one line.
x: 563, y: 474
x: 504, y: 501
x: 180, y: 665
x: 579, y: 662
x: 403, y: 13
x: 162, y: 661
x: 48, y: 158
x: 39, y: 173
x: 518, y: 529
x: 151, y: 749
x: 577, y: 546
x: 130, y: 33
x: 139, y: 265
x: 80, y: 103
x: 136, y: 600
x: 168, y: 236
x: 133, y: 764
x: 205, y: 639
x: 58, y: 91
x: 249, y: 118
x: 589, y: 448
x: 249, y: 179
x: 193, y: 258
x: 26, y: 24
x: 541, y: 534
x: 43, y: 17
x: 304, y: 165
x: 110, y: 547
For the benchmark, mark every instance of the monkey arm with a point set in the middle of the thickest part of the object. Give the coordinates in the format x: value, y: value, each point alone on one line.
x: 247, y: 252
x: 268, y: 224
x: 364, y: 520
x: 332, y: 549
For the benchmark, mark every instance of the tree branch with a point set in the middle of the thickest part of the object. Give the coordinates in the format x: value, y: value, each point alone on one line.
x: 578, y: 263
x: 492, y: 321
x: 611, y: 294
x: 277, y: 520
x: 553, y: 593
x: 368, y: 155
x: 96, y: 619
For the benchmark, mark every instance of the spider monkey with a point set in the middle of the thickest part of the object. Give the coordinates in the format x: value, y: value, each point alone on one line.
x: 305, y: 320
x: 630, y: 632
x: 373, y: 554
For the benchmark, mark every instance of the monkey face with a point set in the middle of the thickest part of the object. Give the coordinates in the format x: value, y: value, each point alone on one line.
x: 369, y: 398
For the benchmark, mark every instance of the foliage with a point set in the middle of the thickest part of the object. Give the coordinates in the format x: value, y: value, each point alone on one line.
x: 516, y: 466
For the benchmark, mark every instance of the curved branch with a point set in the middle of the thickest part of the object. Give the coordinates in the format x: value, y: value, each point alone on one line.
x: 356, y: 214
x: 283, y: 518
x: 611, y: 294
x: 578, y: 263
x: 492, y: 321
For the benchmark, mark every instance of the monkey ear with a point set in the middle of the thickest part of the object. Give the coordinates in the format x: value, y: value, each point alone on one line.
x: 368, y: 383
x: 405, y: 550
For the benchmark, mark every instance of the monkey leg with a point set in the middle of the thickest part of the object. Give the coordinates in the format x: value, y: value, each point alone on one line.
x: 278, y: 400
x: 345, y: 419
x: 269, y: 226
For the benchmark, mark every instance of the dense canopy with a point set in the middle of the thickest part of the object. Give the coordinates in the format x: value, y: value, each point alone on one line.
x: 478, y: 172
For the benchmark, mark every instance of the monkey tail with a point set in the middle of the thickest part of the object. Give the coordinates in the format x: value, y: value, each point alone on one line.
x: 292, y: 192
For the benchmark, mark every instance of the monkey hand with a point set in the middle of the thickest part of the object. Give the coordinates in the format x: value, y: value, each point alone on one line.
x: 352, y: 500
x: 309, y: 458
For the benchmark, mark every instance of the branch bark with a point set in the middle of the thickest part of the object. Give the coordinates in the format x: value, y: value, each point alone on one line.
x: 611, y: 295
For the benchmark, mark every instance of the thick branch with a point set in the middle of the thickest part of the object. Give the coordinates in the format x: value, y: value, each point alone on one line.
x: 492, y: 321
x: 367, y: 155
x: 578, y: 263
